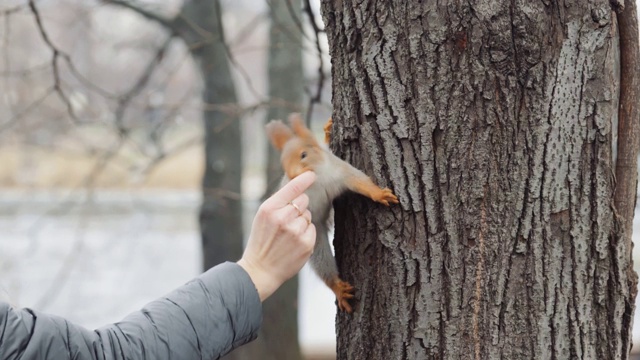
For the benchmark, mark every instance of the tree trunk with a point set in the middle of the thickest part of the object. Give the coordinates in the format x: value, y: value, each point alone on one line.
x: 493, y: 122
x: 221, y: 209
x: 278, y: 338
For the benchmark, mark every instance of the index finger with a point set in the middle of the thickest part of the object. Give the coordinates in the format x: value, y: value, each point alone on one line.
x: 294, y: 188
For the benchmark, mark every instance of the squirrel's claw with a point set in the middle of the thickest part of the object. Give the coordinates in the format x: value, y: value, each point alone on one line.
x: 344, y: 292
x: 387, y: 197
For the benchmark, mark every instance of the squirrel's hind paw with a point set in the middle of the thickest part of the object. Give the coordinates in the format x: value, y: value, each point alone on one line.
x: 344, y: 292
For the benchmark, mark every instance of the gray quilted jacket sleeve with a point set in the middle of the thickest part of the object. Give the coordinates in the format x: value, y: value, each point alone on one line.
x: 204, y: 319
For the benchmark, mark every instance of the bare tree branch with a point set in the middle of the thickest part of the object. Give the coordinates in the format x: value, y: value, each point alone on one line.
x: 13, y: 10
x: 317, y: 97
x: 298, y: 23
x: 67, y: 205
x: 57, y: 54
x: 251, y: 27
x: 87, y: 182
x: 23, y: 72
x: 248, y: 29
x: 294, y: 17
x: 83, y: 80
x: 230, y: 56
x: 187, y: 29
x: 6, y: 59
x: 150, y: 15
x: 62, y: 275
x: 14, y: 120
x: 57, y: 82
x: 135, y: 90
x: 177, y: 149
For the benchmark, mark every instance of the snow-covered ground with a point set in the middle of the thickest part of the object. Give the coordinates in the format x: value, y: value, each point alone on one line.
x: 94, y: 260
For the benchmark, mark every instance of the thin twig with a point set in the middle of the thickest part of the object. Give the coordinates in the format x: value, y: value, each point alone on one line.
x: 230, y: 56
x: 285, y: 30
x: 62, y: 275
x: 23, y: 72
x: 248, y: 29
x: 14, y: 120
x: 295, y: 18
x: 13, y: 10
x: 150, y: 15
x: 83, y: 80
x: 57, y: 82
x: 138, y: 86
x: 317, y: 98
x: 68, y: 204
x: 177, y: 149
x: 7, y: 62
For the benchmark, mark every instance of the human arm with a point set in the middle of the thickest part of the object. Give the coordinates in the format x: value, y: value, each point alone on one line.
x: 203, y: 319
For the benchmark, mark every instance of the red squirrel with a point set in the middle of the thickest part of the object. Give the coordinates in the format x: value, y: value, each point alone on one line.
x: 301, y: 152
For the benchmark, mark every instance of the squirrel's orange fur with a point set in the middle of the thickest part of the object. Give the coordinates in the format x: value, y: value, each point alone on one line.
x: 301, y: 152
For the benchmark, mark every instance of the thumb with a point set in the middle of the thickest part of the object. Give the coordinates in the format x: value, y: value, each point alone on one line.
x: 294, y: 188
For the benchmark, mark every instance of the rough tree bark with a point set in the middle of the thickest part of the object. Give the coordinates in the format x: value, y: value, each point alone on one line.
x: 493, y: 121
x: 278, y: 337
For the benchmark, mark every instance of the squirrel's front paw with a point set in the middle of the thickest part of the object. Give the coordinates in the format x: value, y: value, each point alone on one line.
x: 327, y: 130
x: 344, y: 292
x: 386, y: 197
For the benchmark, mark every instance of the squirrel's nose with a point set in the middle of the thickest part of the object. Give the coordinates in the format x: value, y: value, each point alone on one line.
x: 292, y: 173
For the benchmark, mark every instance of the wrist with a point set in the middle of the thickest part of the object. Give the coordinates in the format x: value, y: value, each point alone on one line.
x: 264, y: 282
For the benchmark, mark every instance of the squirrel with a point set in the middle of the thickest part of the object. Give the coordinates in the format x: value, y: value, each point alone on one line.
x: 302, y: 152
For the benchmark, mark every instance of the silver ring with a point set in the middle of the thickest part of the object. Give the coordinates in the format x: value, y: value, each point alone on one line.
x: 297, y: 208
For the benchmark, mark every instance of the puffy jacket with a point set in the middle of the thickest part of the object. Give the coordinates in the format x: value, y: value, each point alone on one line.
x: 204, y: 319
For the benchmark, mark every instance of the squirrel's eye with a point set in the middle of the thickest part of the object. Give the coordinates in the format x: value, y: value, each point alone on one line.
x: 303, y: 155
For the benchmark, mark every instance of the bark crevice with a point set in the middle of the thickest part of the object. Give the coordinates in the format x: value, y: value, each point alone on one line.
x: 494, y: 123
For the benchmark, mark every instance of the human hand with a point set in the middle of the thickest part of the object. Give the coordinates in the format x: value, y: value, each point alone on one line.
x: 282, y: 237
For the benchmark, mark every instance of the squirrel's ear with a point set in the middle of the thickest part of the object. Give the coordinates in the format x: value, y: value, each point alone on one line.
x: 300, y: 129
x: 278, y: 133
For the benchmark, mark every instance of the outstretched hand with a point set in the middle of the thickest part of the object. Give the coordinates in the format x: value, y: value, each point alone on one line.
x: 282, y: 237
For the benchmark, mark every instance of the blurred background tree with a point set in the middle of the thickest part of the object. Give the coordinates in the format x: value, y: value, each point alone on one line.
x: 277, y: 338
